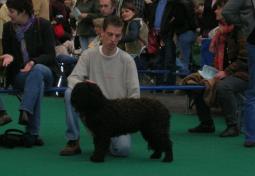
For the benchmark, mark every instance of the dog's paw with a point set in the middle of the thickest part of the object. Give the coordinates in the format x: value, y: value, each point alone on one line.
x: 168, y: 156
x: 156, y: 155
x: 167, y: 160
x: 96, y: 159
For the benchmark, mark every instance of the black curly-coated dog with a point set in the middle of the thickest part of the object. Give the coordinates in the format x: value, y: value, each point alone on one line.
x: 109, y: 118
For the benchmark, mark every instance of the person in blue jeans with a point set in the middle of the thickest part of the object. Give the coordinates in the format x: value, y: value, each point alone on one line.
x: 208, y: 23
x: 184, y: 25
x: 29, y: 55
x: 114, y: 71
x: 185, y: 43
x: 242, y: 14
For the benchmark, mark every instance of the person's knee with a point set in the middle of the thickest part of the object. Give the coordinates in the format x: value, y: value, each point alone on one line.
x: 38, y: 67
x: 121, y: 150
x: 38, y: 71
x: 120, y: 146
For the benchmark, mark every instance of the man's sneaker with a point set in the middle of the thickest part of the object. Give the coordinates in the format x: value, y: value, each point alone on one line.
x: 230, y: 131
x: 72, y: 148
x: 202, y: 128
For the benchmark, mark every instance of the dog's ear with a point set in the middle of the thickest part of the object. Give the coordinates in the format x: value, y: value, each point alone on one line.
x: 94, y: 89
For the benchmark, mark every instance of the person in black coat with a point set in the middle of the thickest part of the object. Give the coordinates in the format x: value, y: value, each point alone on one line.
x: 29, y: 55
x: 159, y: 17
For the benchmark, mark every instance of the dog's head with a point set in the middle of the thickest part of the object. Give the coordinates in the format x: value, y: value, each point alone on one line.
x: 87, y: 97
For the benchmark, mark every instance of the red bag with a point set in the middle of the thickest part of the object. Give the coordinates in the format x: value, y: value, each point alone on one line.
x: 153, y: 42
x: 59, y: 30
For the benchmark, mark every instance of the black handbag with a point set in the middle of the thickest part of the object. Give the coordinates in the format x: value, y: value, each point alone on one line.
x: 12, y: 138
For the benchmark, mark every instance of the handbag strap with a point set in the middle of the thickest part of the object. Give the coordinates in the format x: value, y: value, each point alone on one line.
x: 17, y: 131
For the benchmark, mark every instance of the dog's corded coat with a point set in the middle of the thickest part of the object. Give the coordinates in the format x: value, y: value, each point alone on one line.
x: 109, y: 118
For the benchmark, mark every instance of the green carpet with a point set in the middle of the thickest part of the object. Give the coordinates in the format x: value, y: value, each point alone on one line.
x: 198, y: 155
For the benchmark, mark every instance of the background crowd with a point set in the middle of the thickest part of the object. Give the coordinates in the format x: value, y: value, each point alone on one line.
x: 45, y: 41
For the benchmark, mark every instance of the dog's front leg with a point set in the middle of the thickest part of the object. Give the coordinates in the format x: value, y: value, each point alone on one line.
x: 101, y: 144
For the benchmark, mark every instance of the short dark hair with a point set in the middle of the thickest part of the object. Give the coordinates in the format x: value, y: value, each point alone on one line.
x: 131, y: 6
x: 21, y: 5
x: 112, y: 20
x: 220, y: 3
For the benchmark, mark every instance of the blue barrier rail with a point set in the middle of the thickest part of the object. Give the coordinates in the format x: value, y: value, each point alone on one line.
x: 142, y: 88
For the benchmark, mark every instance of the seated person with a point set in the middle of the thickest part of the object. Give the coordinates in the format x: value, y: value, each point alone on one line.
x: 231, y: 79
x: 29, y: 55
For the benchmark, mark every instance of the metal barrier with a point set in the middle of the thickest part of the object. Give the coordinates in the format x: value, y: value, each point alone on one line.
x: 142, y: 88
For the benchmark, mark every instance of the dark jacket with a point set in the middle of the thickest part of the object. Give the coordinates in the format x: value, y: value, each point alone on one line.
x: 85, y: 26
x: 166, y: 24
x: 40, y: 45
x: 235, y: 56
x: 208, y: 18
x: 184, y: 16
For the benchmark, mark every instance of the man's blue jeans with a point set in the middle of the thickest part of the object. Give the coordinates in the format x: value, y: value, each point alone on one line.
x: 206, y: 57
x: 84, y: 41
x: 249, y: 109
x: 120, y: 146
x: 185, y: 43
x: 32, y: 84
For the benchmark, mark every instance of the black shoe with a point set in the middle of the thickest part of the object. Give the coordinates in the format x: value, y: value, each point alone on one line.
x: 249, y: 144
x: 230, y: 131
x: 202, y: 128
x: 23, y: 118
x: 32, y: 140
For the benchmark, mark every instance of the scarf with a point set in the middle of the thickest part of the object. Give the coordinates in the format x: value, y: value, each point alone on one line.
x: 217, y: 45
x: 20, y: 35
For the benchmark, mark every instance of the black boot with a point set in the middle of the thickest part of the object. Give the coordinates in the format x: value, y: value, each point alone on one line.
x: 203, y: 128
x: 23, y: 118
x: 230, y: 131
x: 32, y: 140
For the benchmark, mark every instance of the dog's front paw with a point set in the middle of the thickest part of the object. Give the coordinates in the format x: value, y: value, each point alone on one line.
x: 96, y: 159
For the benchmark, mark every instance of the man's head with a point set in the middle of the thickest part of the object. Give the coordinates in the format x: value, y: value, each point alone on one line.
x: 111, y: 33
x: 107, y: 7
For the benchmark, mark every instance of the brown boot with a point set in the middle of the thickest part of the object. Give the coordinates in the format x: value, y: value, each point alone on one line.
x: 72, y: 148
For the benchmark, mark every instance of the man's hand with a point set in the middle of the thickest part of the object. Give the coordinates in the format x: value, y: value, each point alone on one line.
x: 7, y: 59
x: 220, y: 75
x: 28, y: 66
